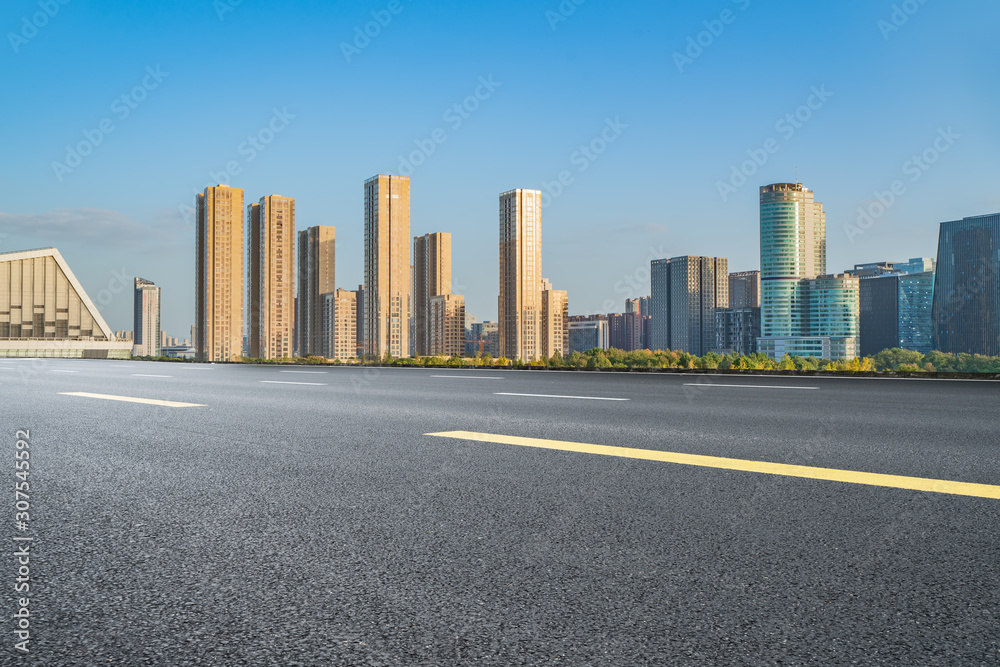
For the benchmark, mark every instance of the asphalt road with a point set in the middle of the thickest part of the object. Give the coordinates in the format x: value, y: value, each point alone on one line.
x: 306, y: 518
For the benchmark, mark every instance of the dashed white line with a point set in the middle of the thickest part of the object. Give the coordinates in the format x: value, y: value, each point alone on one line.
x: 584, y: 398
x: 465, y: 377
x: 141, y: 375
x: 130, y: 399
x: 314, y: 384
x: 55, y: 370
x: 306, y: 372
x: 744, y: 386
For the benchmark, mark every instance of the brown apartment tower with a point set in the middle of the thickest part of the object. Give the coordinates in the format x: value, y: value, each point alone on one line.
x: 520, y: 303
x: 387, y: 267
x: 271, y: 255
x: 431, y: 277
x: 219, y: 274
x: 317, y: 246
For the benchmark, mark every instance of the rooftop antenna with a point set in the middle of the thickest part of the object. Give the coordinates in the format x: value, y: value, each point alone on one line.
x: 796, y: 175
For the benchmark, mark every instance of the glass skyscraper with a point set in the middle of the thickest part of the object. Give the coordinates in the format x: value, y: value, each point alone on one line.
x: 804, y: 312
x: 967, y: 289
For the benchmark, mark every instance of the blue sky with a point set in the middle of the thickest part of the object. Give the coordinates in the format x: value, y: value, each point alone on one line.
x: 199, y: 78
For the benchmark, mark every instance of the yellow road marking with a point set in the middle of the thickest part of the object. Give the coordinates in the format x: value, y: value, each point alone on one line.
x: 129, y: 399
x: 828, y: 474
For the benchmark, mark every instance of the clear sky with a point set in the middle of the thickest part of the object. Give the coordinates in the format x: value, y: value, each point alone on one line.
x: 199, y: 79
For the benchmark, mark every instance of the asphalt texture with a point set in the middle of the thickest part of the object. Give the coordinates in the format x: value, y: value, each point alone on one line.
x: 317, y: 524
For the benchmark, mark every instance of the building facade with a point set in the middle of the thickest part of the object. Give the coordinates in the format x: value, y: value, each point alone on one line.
x: 271, y: 256
x: 520, y: 302
x: 484, y: 339
x: 737, y: 330
x: 431, y: 277
x: 45, y: 312
x: 387, y: 267
x: 586, y: 335
x: 447, y: 325
x: 219, y: 274
x: 686, y: 292
x: 744, y: 289
x: 555, y: 320
x: 340, y: 312
x: 966, y: 310
x: 316, y: 277
x: 146, y: 315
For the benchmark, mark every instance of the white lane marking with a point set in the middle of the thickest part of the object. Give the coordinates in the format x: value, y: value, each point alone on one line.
x: 141, y: 375
x: 130, y: 399
x: 466, y: 377
x: 584, y: 398
x: 743, y: 386
x: 314, y: 384
x: 54, y: 370
x: 306, y: 372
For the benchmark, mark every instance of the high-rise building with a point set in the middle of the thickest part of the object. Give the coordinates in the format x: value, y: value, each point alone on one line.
x: 555, y: 320
x: 44, y: 311
x: 804, y: 312
x: 686, y: 291
x: 340, y: 330
x: 146, y: 316
x: 967, y: 286
x: 387, y: 266
x: 520, y: 302
x: 744, y: 289
x: 317, y: 273
x: 272, y: 277
x: 446, y: 325
x: 219, y: 274
x: 431, y: 277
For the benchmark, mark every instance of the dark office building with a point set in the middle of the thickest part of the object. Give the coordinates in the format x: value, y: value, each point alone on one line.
x: 737, y: 330
x: 967, y: 287
x: 879, y: 314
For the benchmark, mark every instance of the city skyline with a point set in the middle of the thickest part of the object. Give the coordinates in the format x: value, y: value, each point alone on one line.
x: 892, y: 106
